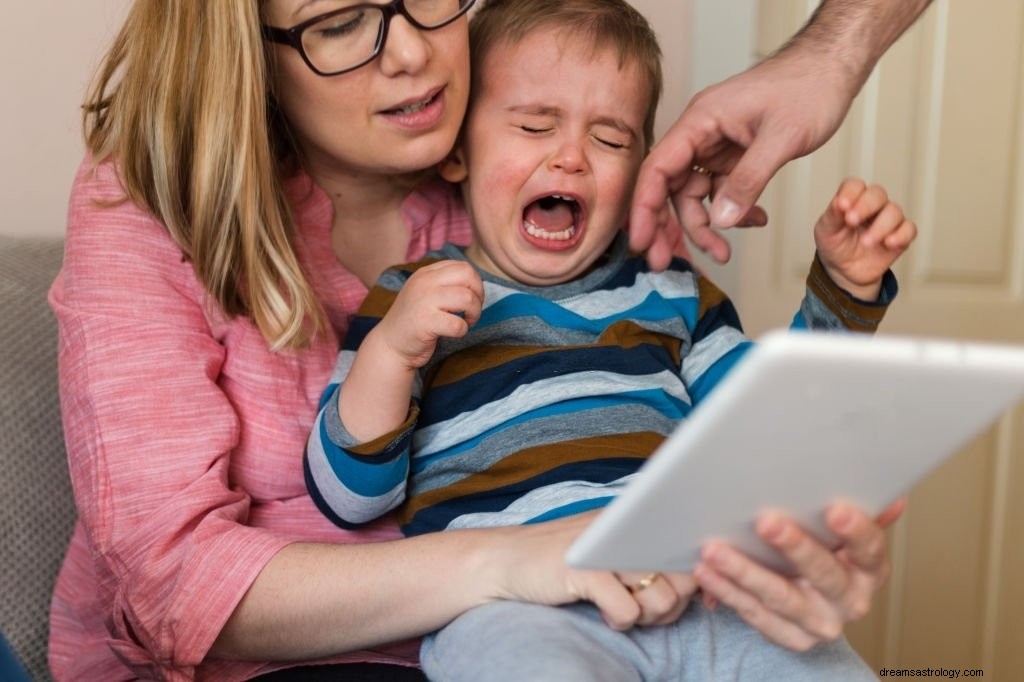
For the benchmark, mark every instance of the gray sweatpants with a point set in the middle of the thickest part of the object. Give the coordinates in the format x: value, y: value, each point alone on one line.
x: 514, y: 641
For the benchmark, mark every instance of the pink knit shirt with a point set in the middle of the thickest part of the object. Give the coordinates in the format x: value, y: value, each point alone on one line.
x: 185, y: 435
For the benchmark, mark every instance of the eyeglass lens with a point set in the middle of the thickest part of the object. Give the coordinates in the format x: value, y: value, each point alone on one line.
x: 346, y: 39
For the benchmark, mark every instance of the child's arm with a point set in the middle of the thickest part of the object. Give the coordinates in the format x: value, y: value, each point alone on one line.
x: 440, y: 300
x: 860, y: 235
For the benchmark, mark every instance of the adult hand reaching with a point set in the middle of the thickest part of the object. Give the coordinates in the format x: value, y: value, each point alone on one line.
x: 744, y: 129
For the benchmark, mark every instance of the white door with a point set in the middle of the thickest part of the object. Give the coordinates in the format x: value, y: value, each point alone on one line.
x: 941, y: 125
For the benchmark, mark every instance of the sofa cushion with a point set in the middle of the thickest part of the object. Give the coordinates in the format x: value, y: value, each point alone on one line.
x: 36, y: 506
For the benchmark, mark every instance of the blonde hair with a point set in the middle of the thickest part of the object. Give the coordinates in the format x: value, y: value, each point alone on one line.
x: 606, y: 23
x: 181, y: 103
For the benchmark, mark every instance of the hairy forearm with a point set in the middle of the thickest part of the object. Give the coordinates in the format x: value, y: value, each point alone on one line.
x: 318, y: 600
x: 854, y: 34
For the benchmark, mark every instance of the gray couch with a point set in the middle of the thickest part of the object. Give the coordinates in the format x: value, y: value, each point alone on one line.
x: 36, y: 507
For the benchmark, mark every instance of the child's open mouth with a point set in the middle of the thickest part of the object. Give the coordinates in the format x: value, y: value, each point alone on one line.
x: 553, y: 221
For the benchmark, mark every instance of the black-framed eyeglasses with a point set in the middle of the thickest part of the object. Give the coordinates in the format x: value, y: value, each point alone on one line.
x: 344, y: 39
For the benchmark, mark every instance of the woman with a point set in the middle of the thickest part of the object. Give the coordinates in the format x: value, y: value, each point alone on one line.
x: 243, y: 187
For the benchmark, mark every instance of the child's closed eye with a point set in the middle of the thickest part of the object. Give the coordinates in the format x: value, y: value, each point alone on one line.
x: 613, y: 144
x: 533, y: 129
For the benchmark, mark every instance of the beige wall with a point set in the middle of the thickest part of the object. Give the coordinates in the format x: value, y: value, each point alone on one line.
x: 46, y: 58
x: 43, y: 87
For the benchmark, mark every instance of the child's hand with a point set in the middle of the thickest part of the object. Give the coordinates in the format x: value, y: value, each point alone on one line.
x: 441, y: 300
x: 860, y: 235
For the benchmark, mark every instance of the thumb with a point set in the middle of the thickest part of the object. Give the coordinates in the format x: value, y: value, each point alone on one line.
x: 746, y: 181
x: 617, y: 606
x: 833, y: 219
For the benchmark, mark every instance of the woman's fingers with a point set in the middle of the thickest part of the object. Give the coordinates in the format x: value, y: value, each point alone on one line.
x: 811, y: 560
x: 830, y: 588
x: 751, y: 609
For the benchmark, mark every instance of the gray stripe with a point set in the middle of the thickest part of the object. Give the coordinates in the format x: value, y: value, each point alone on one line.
x: 819, y: 316
x: 708, y: 351
x: 592, y: 423
x: 527, y: 397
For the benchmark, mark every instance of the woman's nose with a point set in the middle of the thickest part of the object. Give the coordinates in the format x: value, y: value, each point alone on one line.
x: 406, y: 49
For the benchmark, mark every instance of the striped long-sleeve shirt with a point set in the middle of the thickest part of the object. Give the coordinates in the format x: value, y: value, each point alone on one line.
x: 552, y: 401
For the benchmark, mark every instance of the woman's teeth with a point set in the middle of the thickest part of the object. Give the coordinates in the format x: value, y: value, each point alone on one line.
x: 413, y: 108
x: 561, y: 235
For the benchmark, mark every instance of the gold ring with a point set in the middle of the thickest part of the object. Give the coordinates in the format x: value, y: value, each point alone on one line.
x: 700, y: 169
x: 643, y: 583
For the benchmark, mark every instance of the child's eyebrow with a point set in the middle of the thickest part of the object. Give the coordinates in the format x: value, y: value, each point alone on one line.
x: 535, y: 110
x: 616, y: 123
x: 544, y: 110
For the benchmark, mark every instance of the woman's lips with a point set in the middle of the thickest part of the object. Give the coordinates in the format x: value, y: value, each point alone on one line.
x: 418, y: 113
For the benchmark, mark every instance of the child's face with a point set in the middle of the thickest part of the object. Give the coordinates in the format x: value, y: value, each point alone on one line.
x: 552, y: 147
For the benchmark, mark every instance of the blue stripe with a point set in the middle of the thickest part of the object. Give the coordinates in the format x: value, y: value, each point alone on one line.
x: 667, y: 405
x: 799, y: 321
x: 571, y: 509
x: 369, y: 477
x: 498, y: 382
x: 713, y: 375
x: 326, y: 396
x: 654, y: 307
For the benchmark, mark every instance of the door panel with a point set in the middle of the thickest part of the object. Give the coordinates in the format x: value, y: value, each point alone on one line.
x: 941, y: 125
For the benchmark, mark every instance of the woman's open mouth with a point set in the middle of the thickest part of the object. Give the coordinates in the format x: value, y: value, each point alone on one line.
x: 423, y: 112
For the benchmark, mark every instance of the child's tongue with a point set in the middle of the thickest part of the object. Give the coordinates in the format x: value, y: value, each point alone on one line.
x: 550, y: 216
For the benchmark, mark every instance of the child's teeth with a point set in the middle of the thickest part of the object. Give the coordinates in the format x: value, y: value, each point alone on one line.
x: 561, y: 235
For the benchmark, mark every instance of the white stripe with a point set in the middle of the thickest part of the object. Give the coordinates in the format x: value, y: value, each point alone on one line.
x: 342, y: 366
x: 527, y: 397
x: 710, y: 350
x: 601, y: 304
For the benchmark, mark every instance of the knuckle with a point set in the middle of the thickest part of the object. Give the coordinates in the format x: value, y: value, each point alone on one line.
x: 858, y: 607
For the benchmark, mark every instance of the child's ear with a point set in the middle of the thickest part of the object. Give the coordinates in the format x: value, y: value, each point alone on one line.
x: 453, y: 168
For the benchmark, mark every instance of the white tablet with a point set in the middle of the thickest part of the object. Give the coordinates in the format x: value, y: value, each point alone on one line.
x: 804, y: 419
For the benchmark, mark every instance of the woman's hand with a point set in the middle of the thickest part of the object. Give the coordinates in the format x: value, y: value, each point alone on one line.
x: 831, y: 588
x: 531, y: 567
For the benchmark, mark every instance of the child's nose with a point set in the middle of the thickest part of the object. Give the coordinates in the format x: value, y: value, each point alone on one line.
x: 569, y: 158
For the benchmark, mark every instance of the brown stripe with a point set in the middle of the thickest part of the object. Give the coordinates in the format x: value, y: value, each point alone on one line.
x: 530, y: 462
x: 856, y: 315
x: 472, y: 361
x: 379, y: 300
x: 380, y: 442
x: 709, y: 295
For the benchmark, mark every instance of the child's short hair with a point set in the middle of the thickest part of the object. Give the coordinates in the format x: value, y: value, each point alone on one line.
x: 607, y: 23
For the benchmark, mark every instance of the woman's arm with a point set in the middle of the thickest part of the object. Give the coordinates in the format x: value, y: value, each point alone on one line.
x: 314, y: 600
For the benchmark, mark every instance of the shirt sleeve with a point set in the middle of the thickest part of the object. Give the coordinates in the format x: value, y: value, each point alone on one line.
x: 149, y: 436
x: 826, y: 306
x: 718, y: 341
x: 353, y: 482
